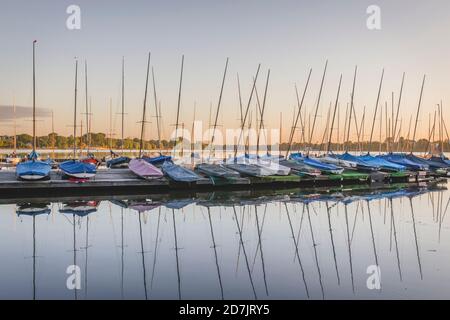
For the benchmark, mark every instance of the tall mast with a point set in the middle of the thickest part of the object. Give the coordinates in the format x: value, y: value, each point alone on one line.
x: 299, y: 104
x: 144, y: 109
x: 218, y: 106
x: 123, y: 100
x: 334, y: 113
x: 34, y: 96
x: 75, y: 112
x: 158, y: 113
x: 262, y: 113
x: 317, y: 107
x: 53, y: 137
x: 351, y: 108
x: 240, y: 99
x: 110, y: 124
x: 376, y: 108
x: 179, y: 100
x: 398, y: 105
x: 15, y: 127
x: 87, y: 106
x: 246, y: 111
x: 417, y: 115
x: 441, y: 131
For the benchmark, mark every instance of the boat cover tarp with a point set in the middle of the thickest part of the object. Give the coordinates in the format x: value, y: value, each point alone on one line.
x: 33, y: 168
x: 360, y: 162
x: 74, y: 167
x: 117, y: 161
x: 157, y: 160
x: 314, y: 163
x: 382, y: 163
x: 402, y: 160
x: 179, y: 173
x: 432, y: 164
x: 143, y: 169
x: 217, y: 170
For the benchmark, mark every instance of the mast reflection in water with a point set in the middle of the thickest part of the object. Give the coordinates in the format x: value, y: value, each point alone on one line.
x: 235, y: 245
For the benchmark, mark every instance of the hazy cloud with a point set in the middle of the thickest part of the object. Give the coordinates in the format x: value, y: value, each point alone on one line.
x: 7, y: 113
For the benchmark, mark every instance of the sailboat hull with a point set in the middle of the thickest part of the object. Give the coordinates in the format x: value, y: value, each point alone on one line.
x: 78, y: 169
x: 33, y: 170
x: 143, y: 169
x: 179, y: 173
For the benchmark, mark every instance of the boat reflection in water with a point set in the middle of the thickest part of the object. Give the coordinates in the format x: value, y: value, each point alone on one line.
x: 291, y: 244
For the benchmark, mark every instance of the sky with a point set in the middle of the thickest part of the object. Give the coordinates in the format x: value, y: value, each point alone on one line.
x: 287, y: 36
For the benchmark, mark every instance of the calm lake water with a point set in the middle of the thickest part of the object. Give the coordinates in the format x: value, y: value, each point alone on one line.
x: 233, y: 246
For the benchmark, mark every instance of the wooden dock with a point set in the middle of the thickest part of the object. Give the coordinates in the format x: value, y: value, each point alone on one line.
x: 123, y: 181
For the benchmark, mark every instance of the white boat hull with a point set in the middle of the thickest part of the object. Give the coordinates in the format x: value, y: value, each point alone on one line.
x: 81, y: 175
x: 273, y: 168
x: 32, y: 177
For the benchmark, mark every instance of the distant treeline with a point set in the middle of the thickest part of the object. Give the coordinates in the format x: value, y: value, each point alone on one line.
x: 101, y: 140
x: 97, y: 140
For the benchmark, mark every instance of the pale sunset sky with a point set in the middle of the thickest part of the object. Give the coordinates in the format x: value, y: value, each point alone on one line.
x: 287, y: 36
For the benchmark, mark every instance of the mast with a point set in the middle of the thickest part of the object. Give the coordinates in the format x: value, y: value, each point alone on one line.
x: 123, y: 100
x: 87, y: 106
x: 351, y: 109
x: 317, y: 107
x: 398, y: 105
x: 74, y: 112
x: 179, y: 100
x: 110, y: 124
x: 34, y: 96
x: 15, y: 127
x: 376, y: 108
x: 218, y: 106
x: 441, y: 131
x: 262, y: 113
x: 299, y: 104
x: 144, y: 109
x: 246, y: 111
x: 158, y: 113
x: 53, y: 137
x: 417, y: 115
x: 334, y: 113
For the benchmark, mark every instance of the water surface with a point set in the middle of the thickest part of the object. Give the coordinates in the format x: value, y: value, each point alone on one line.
x: 240, y: 245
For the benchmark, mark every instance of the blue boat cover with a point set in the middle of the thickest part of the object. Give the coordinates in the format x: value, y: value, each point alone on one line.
x: 117, y: 161
x: 74, y: 167
x: 313, y: 162
x: 432, y: 164
x: 157, y: 160
x: 179, y: 173
x: 33, y: 168
x: 401, y: 159
x: 360, y: 162
x: 382, y: 163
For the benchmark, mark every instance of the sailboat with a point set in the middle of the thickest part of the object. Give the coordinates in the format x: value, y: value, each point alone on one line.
x: 174, y: 171
x: 139, y: 166
x: 33, y: 169
x: 160, y: 159
x: 383, y: 163
x: 120, y: 161
x: 274, y: 167
x: 90, y: 157
x: 75, y: 168
x: 211, y: 169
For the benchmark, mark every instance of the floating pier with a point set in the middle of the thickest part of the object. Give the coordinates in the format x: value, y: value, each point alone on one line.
x: 123, y: 181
